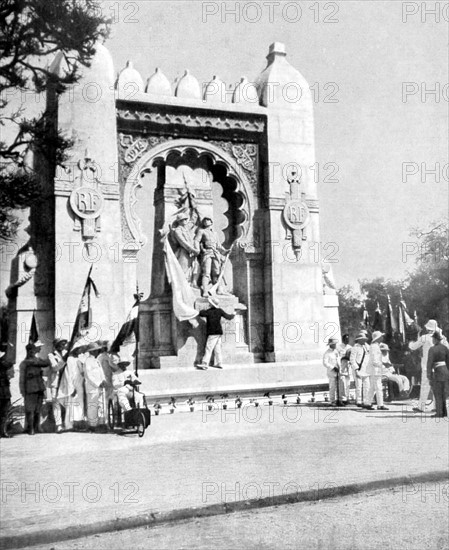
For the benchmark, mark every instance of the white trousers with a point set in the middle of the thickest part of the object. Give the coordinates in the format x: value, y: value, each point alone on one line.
x: 56, y: 405
x: 425, y: 389
x: 213, y: 344
x: 332, y: 387
x: 95, y: 407
x: 75, y: 406
x: 124, y: 394
x: 344, y: 387
x: 361, y: 388
x: 375, y: 387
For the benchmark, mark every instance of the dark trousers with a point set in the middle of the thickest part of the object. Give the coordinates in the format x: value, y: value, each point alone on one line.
x: 441, y: 392
x: 33, y: 402
x: 4, y: 407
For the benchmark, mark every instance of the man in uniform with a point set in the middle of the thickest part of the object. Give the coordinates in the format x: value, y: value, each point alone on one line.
x: 359, y: 361
x: 6, y: 372
x: 438, y: 373
x: 424, y: 342
x: 187, y: 249
x: 331, y: 361
x: 211, y: 254
x: 57, y: 362
x: 32, y: 385
x: 95, y: 382
x: 374, y: 369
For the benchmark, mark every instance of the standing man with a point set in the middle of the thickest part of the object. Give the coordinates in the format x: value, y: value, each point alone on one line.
x: 374, y: 369
x: 438, y: 373
x: 211, y: 254
x: 57, y: 362
x: 214, y: 332
x: 106, y: 365
x: 331, y: 360
x: 71, y: 389
x: 424, y: 342
x: 359, y: 361
x: 32, y: 386
x: 344, y: 351
x: 95, y: 382
x: 6, y: 372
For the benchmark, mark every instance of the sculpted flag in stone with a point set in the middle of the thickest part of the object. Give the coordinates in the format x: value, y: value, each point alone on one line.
x: 183, y: 296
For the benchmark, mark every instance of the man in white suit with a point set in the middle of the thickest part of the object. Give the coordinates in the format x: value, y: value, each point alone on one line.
x: 424, y: 342
x: 359, y: 361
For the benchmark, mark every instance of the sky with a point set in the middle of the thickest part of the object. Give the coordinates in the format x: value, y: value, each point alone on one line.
x: 382, y: 133
x: 381, y: 138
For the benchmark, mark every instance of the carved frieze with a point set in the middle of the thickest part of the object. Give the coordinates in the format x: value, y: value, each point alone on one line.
x: 193, y: 120
x: 247, y: 156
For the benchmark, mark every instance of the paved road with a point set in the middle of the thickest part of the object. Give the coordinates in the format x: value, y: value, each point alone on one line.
x: 403, y: 517
x: 71, y: 480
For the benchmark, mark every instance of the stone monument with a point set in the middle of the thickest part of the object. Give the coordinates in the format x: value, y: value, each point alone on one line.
x: 149, y: 164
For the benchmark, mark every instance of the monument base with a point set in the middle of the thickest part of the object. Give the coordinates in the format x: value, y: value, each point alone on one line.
x: 233, y: 379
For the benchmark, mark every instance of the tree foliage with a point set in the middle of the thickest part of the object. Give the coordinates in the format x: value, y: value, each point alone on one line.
x: 425, y: 289
x: 31, y: 33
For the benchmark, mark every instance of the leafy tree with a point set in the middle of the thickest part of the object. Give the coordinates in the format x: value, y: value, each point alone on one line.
x: 31, y: 33
x: 426, y: 289
x: 350, y: 310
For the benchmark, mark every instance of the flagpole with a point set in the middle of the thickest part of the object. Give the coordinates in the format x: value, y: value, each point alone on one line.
x: 136, y: 351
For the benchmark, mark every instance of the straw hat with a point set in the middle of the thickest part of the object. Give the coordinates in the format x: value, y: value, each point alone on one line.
x: 377, y: 335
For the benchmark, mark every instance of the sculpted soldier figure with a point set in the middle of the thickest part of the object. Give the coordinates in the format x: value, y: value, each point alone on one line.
x: 187, y: 249
x: 211, y: 254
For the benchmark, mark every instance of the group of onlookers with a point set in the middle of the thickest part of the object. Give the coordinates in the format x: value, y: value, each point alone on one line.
x: 80, y: 382
x: 370, y: 364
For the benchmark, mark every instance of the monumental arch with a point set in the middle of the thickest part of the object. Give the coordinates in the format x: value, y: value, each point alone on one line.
x: 142, y: 154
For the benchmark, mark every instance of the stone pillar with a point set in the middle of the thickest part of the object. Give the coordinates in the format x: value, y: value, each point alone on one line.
x: 293, y: 283
x: 87, y: 207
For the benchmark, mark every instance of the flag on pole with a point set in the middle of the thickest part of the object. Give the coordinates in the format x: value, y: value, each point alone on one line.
x: 391, y: 325
x: 365, y: 315
x: 183, y: 296
x: 34, y: 334
x: 83, y: 319
x: 128, y: 332
x: 401, y: 321
x: 378, y: 323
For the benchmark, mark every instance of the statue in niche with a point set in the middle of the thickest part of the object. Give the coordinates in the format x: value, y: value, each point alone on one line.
x: 213, y: 258
x: 186, y: 249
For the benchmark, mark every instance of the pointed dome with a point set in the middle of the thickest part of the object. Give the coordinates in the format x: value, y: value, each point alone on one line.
x: 215, y: 91
x: 158, y: 84
x: 245, y: 92
x: 188, y: 87
x: 101, y: 66
x: 129, y: 82
x: 280, y: 84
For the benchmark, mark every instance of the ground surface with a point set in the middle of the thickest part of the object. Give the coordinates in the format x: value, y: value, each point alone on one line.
x: 194, y: 460
x: 377, y: 520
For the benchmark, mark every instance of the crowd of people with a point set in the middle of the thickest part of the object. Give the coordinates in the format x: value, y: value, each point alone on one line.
x: 80, y: 383
x: 370, y: 365
x: 82, y: 380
